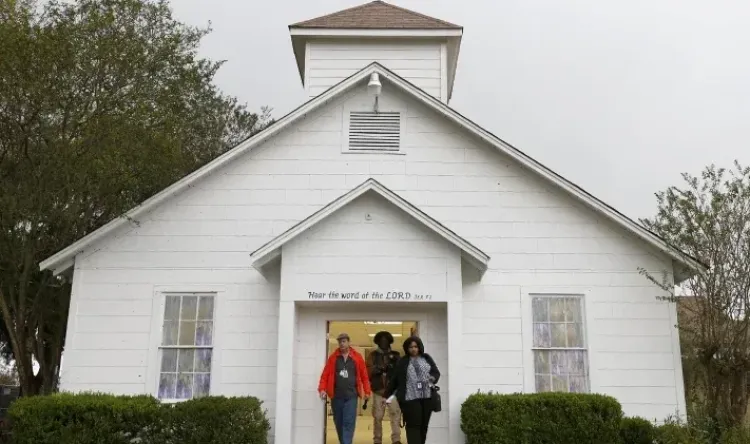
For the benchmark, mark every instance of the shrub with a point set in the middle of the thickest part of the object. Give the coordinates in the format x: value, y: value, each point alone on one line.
x: 542, y: 418
x: 637, y: 431
x: 82, y: 419
x: 221, y: 420
x: 99, y: 418
x: 737, y: 435
x: 674, y: 433
x: 700, y: 432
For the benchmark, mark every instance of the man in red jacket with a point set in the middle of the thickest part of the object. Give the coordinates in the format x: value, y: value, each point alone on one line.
x: 344, y: 379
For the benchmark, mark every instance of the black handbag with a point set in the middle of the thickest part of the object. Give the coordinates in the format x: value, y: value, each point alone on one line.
x: 436, y: 403
x: 435, y: 400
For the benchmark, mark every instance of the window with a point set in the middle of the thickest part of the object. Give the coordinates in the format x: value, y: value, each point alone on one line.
x: 374, y: 131
x: 560, y: 355
x: 186, y: 346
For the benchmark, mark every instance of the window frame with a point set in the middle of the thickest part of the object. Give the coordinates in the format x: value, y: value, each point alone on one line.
x: 157, y: 322
x: 527, y: 297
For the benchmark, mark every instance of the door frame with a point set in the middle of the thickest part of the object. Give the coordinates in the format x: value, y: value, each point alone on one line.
x: 311, y: 325
x: 328, y: 404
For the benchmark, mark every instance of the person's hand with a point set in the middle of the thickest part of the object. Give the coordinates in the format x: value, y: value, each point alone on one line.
x: 432, y: 379
x: 323, y: 396
x: 389, y: 400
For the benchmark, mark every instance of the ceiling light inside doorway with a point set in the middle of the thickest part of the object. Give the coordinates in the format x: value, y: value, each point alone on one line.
x: 383, y: 323
x: 395, y: 335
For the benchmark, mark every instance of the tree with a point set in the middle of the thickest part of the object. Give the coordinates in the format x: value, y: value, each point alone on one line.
x: 709, y: 218
x: 102, y: 104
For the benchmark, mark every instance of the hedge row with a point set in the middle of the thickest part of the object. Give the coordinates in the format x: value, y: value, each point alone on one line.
x: 564, y: 418
x: 100, y: 418
x: 542, y: 418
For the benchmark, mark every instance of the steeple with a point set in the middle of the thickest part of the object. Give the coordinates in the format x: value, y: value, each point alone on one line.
x: 422, y: 49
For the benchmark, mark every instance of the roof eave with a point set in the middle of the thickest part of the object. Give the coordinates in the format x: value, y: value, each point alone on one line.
x: 375, y: 32
x: 64, y: 259
x: 300, y: 36
x: 299, y: 49
x: 68, y: 254
x: 566, y: 185
x: 273, y: 249
x: 685, y: 268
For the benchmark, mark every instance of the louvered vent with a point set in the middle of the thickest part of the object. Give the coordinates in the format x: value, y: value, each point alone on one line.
x: 379, y: 131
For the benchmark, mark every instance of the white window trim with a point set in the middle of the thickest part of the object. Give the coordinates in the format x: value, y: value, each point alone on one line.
x: 527, y: 321
x: 157, y: 319
x: 384, y: 105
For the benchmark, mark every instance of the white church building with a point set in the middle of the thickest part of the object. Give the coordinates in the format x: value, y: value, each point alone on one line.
x: 373, y: 206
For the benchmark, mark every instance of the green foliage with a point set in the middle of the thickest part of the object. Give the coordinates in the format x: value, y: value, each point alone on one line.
x: 87, y: 418
x: 99, y: 418
x: 673, y: 433
x: 222, y: 420
x: 736, y: 435
x: 708, y: 217
x: 637, y: 431
x: 700, y: 432
x: 102, y: 104
x: 543, y: 418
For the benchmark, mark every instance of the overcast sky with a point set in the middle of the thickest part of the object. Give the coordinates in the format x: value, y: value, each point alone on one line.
x: 620, y: 96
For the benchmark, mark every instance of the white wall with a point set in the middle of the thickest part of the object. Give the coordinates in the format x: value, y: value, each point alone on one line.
x: 389, y: 252
x: 419, y: 62
x: 535, y: 235
x: 347, y: 253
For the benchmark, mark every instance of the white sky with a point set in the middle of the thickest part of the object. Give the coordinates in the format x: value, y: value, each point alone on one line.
x: 618, y: 96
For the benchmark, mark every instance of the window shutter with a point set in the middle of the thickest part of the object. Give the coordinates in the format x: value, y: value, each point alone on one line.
x: 380, y: 131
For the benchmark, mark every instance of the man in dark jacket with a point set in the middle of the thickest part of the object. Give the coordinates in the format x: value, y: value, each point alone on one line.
x: 380, y: 365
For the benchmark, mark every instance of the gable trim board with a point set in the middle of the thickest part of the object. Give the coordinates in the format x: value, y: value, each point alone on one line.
x: 318, y: 32
x: 272, y: 249
x: 684, y: 265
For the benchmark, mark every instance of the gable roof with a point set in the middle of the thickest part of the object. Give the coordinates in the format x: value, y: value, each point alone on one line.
x: 272, y: 249
x: 684, y: 265
x: 375, y: 15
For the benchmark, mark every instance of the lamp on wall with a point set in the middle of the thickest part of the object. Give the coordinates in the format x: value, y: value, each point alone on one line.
x: 374, y: 87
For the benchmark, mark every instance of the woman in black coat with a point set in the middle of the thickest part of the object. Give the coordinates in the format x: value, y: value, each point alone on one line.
x: 412, y: 383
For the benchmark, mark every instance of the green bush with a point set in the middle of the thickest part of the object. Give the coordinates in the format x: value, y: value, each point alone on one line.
x: 222, y: 420
x: 99, y: 418
x: 674, y: 431
x: 637, y: 431
x: 542, y: 418
x: 679, y: 433
x: 738, y: 435
x: 82, y: 419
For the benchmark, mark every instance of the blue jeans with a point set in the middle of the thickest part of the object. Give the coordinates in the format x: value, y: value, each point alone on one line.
x: 345, y: 418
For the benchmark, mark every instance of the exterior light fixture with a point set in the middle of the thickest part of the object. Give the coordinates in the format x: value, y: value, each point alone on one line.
x: 374, y: 87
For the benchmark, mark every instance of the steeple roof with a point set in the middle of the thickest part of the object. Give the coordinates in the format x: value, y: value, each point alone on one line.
x: 375, y: 15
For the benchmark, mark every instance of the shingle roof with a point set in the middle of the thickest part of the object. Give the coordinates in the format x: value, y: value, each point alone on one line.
x: 376, y: 15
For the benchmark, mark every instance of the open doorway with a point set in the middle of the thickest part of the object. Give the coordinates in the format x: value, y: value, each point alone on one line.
x: 362, y: 334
